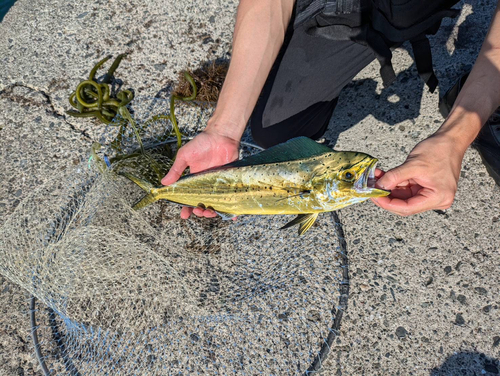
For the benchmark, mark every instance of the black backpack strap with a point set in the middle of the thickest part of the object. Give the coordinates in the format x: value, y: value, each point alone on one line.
x: 381, y: 24
x: 383, y: 54
x: 416, y: 34
x: 423, y: 60
x: 345, y: 6
x: 380, y: 34
x: 306, y: 10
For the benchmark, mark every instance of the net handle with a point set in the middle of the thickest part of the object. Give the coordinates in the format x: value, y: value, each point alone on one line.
x: 34, y: 336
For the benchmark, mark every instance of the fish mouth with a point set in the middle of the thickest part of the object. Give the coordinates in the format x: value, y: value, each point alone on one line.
x: 365, y: 184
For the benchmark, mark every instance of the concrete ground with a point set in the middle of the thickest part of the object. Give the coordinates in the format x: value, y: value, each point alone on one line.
x: 425, y: 291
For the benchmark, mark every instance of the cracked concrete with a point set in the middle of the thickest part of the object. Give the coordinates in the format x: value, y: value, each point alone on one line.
x: 26, y: 99
x: 424, y: 289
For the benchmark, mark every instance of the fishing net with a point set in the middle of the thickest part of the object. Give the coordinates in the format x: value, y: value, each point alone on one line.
x: 146, y: 293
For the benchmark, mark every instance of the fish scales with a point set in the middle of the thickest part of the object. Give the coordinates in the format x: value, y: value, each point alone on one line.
x: 262, y: 189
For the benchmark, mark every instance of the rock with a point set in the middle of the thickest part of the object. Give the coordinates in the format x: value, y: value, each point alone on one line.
x: 401, y: 332
x: 461, y: 298
x: 365, y: 287
x: 448, y: 270
x: 459, y: 320
x: 481, y: 290
x: 496, y: 341
x: 313, y: 316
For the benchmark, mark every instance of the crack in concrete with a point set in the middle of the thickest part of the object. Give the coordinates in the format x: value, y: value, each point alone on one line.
x: 7, y: 92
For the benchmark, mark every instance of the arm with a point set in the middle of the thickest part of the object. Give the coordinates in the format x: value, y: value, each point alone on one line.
x: 258, y: 36
x: 429, y: 177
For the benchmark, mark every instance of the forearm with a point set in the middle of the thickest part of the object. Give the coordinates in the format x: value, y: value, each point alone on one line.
x: 258, y: 36
x: 480, y: 96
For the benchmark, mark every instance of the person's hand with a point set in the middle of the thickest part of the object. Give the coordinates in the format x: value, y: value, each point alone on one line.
x: 206, y: 150
x: 427, y: 180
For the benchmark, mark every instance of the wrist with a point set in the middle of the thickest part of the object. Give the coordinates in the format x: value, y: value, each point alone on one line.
x: 461, y: 128
x: 226, y: 128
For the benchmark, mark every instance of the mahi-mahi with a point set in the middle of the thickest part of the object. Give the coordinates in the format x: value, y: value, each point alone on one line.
x: 299, y: 176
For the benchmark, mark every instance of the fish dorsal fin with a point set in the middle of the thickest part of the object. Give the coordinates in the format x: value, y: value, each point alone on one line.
x: 292, y: 150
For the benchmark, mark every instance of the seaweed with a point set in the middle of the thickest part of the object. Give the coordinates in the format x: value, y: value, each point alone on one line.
x: 94, y: 98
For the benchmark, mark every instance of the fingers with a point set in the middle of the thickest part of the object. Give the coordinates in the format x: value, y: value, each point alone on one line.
x: 379, y: 173
x: 207, y: 213
x: 199, y: 212
x: 413, y: 205
x: 176, y: 171
x: 394, y: 177
x: 186, y: 212
x: 425, y: 199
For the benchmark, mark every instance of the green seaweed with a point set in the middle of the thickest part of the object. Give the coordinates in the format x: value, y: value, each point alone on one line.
x: 94, y: 99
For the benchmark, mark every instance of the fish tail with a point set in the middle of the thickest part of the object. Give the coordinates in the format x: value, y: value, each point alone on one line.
x: 145, y: 201
x: 146, y: 186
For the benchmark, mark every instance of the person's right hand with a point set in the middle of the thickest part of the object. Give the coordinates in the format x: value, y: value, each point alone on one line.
x: 206, y: 150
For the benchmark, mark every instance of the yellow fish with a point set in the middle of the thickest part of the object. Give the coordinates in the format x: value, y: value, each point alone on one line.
x: 299, y: 176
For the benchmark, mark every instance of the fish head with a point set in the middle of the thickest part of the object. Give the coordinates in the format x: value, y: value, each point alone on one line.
x: 352, y: 175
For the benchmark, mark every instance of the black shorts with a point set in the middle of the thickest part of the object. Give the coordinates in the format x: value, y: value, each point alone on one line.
x: 303, y: 86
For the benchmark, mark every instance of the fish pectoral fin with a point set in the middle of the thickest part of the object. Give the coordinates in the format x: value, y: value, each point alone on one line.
x: 304, y: 220
x: 226, y: 216
x: 303, y: 195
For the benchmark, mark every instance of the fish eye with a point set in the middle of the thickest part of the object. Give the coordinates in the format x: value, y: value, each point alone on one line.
x: 348, y: 176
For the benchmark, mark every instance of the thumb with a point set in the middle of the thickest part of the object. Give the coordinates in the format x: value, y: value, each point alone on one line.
x: 394, y: 177
x: 175, y: 171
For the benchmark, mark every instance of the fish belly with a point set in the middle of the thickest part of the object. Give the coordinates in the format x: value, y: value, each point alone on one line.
x: 249, y: 202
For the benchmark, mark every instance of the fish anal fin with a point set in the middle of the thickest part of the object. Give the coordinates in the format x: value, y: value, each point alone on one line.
x: 304, y: 220
x: 306, y: 225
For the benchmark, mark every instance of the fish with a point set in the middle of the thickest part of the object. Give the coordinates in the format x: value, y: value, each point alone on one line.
x: 300, y: 177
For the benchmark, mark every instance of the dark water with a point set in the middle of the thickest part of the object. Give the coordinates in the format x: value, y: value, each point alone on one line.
x: 5, y: 6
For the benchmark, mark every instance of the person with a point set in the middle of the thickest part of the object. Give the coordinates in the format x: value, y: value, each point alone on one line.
x: 284, y: 81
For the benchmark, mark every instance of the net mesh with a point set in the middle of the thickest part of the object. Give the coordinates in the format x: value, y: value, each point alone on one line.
x: 144, y: 292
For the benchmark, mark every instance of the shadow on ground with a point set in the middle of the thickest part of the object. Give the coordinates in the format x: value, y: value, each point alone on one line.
x: 468, y: 364
x: 402, y: 100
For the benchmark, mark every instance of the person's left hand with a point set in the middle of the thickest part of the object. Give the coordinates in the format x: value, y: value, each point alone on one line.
x: 427, y: 180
